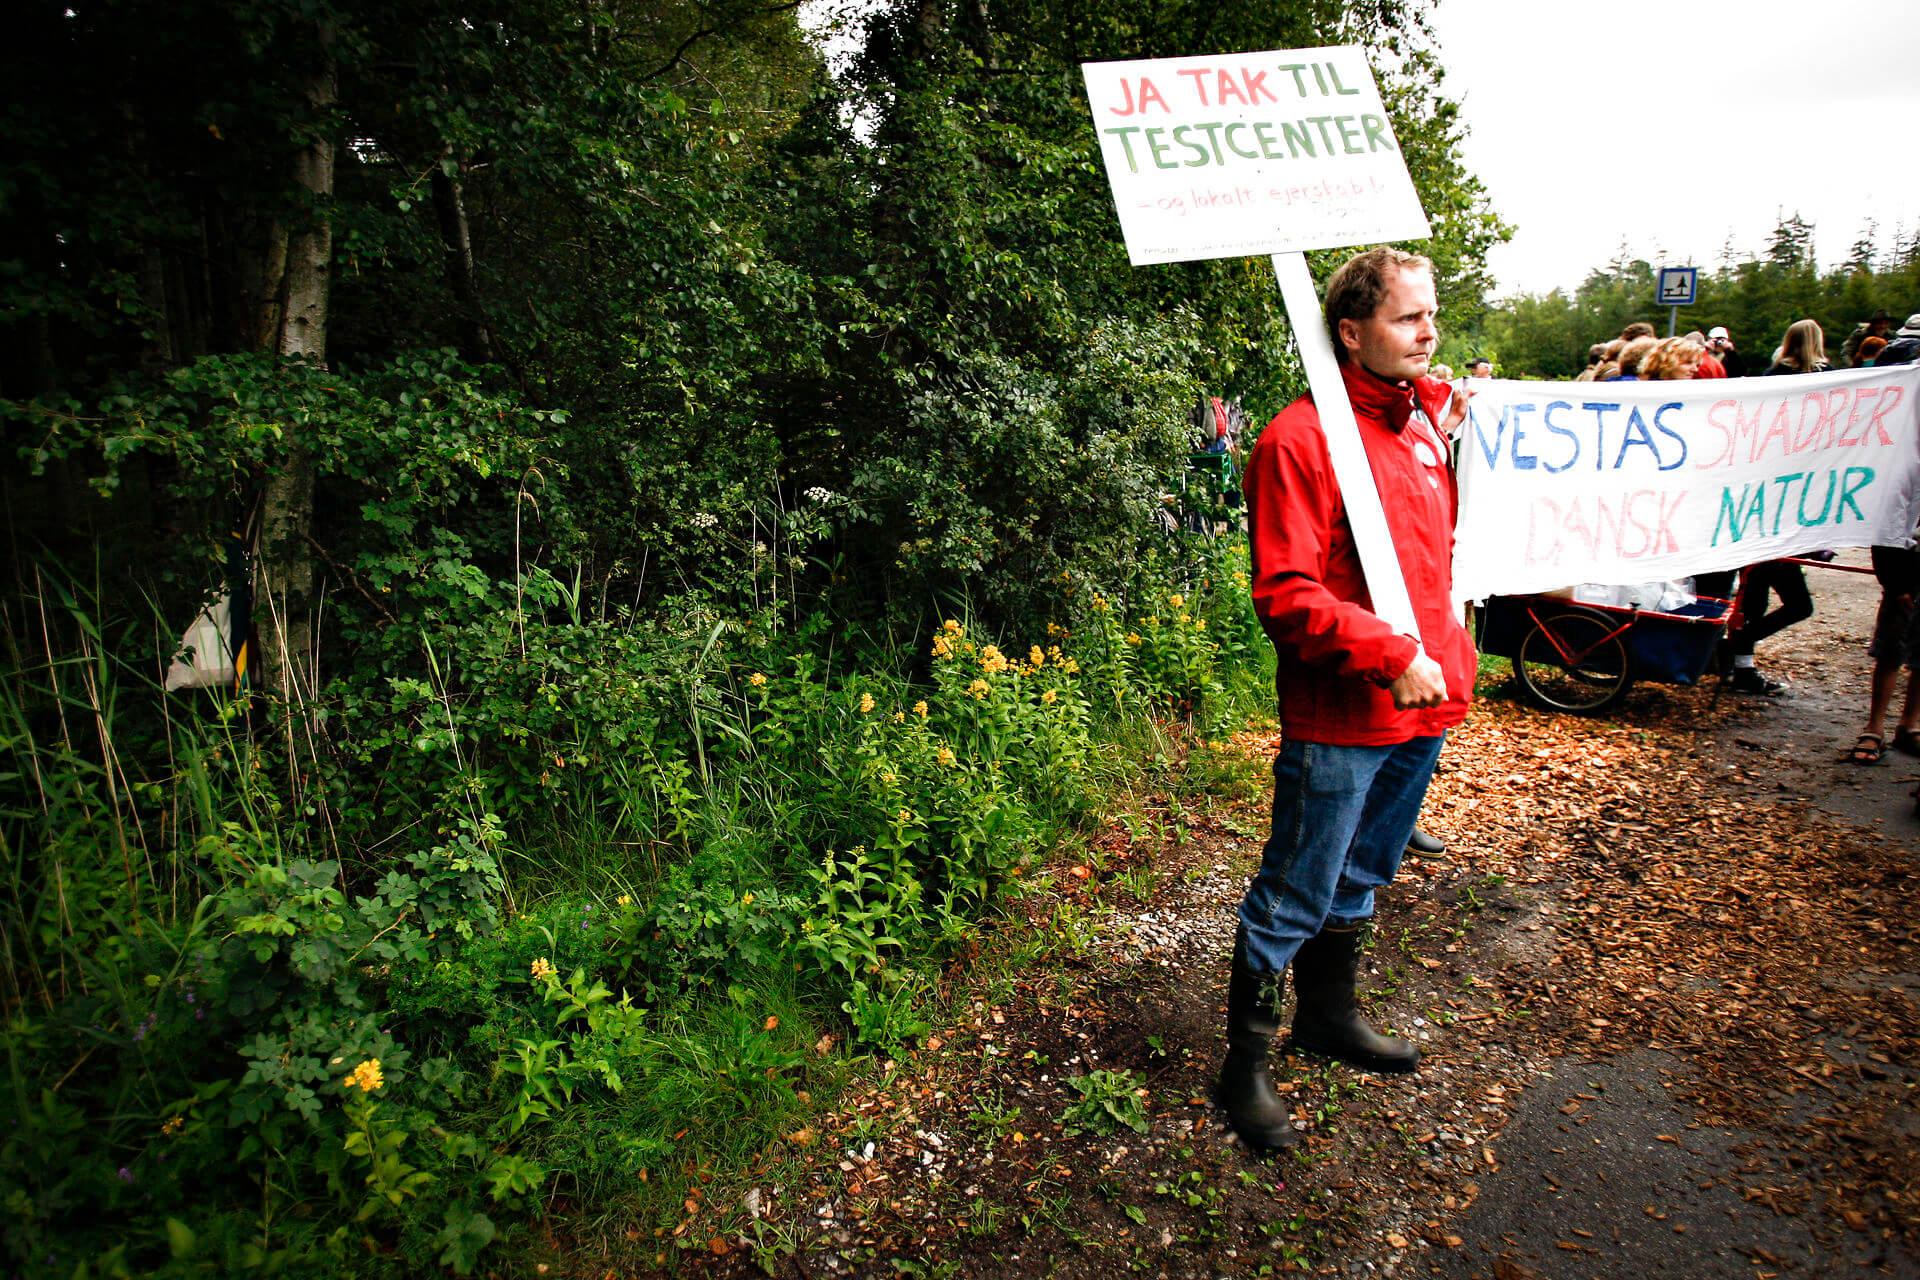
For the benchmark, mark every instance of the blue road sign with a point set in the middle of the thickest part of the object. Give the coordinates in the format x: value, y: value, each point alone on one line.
x: 1677, y: 286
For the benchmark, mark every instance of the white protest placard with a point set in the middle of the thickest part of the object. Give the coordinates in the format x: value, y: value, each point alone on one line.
x: 1253, y: 153
x: 1565, y: 483
x: 1280, y: 152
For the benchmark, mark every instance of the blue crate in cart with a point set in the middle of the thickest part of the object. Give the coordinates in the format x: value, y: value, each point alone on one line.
x: 1677, y: 647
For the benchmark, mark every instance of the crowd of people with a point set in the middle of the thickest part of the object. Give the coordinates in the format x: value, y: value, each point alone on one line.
x: 1638, y: 355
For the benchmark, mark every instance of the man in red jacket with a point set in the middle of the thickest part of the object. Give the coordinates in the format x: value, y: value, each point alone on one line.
x: 1363, y: 708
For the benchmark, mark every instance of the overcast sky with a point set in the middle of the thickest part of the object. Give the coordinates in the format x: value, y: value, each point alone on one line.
x: 1596, y: 123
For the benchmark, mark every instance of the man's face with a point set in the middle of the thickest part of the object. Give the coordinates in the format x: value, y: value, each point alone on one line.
x: 1719, y: 342
x: 1480, y: 369
x: 1398, y: 340
x: 1878, y: 328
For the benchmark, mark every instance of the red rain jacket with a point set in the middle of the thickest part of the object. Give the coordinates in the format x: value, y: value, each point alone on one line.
x: 1337, y: 656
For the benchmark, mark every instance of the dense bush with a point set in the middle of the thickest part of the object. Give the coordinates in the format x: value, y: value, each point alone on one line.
x: 254, y: 1057
x: 721, y: 513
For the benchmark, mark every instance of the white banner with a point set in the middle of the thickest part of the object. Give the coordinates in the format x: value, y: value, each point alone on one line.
x: 1629, y: 482
x: 1234, y: 155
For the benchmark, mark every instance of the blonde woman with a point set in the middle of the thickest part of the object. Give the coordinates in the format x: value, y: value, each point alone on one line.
x: 1803, y: 350
x: 1672, y: 359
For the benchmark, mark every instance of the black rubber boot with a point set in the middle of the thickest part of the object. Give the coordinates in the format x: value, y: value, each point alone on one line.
x: 1245, y: 1090
x: 1424, y: 844
x: 1326, y: 1017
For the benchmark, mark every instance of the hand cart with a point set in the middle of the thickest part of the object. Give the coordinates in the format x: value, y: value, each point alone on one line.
x: 1571, y: 655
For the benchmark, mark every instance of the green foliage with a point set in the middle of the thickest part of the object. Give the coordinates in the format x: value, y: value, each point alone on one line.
x: 380, y: 1034
x: 1109, y: 1101
x: 677, y: 394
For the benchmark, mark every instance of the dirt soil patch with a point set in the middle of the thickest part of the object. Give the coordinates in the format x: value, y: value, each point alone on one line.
x: 1666, y: 978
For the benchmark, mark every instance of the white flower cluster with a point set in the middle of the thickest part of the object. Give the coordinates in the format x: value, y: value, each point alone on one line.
x: 817, y: 493
x: 704, y: 520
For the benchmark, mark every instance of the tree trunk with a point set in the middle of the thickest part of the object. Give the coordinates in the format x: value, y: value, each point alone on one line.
x: 476, y: 339
x: 297, y: 315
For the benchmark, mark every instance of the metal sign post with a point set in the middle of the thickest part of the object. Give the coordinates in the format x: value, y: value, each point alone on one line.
x: 1677, y: 288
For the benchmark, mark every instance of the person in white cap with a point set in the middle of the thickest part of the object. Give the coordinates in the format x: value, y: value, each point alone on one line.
x: 1720, y: 347
x: 1710, y: 366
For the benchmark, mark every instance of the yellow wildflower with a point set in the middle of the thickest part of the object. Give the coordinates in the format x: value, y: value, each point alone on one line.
x: 1099, y: 604
x: 886, y: 776
x: 1055, y: 629
x: 624, y: 900
x: 1199, y: 624
x: 366, y: 1076
x: 1049, y: 697
x: 920, y: 708
x: 173, y: 1126
x: 905, y: 816
x: 757, y: 679
x: 1133, y: 637
x: 942, y: 647
x: 1070, y: 666
x: 866, y: 703
x: 1037, y: 656
x: 746, y: 899
x: 1176, y: 601
x: 899, y: 717
x: 992, y: 661
x: 943, y: 756
x: 543, y: 968
x: 979, y: 689
x: 951, y: 627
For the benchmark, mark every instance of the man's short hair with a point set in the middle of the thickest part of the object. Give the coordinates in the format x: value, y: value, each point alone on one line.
x: 1360, y: 285
x: 1638, y: 329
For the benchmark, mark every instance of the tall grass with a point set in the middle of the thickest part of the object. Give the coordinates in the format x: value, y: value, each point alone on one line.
x: 560, y: 909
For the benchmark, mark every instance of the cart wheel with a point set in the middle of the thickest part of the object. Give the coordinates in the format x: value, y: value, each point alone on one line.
x: 1594, y: 680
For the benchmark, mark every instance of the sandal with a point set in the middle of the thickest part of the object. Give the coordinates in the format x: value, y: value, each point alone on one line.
x: 1906, y: 742
x: 1868, y: 750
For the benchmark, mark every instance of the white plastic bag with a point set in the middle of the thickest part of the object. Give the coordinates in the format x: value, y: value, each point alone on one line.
x: 204, y: 659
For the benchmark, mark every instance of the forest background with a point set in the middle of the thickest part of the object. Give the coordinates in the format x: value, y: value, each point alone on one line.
x: 710, y: 525
x: 1755, y: 296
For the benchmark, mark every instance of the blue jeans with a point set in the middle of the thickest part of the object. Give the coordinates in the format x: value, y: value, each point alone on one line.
x: 1341, y: 818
